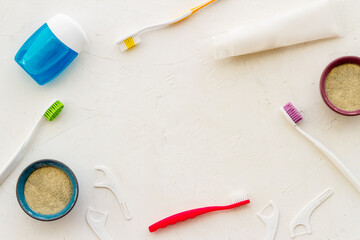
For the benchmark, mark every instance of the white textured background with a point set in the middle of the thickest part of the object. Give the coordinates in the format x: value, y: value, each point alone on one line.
x: 179, y: 129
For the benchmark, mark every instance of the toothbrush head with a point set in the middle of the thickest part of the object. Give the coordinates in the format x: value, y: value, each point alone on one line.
x: 291, y: 113
x: 129, y: 42
x: 54, y: 110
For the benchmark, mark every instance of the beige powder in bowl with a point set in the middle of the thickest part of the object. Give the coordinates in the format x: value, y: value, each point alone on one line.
x: 342, y: 87
x: 48, y: 190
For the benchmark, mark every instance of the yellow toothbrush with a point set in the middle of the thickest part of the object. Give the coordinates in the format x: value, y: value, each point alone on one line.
x: 133, y: 39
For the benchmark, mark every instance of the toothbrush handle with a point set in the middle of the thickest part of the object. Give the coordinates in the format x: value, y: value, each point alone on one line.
x: 170, y: 22
x: 197, y: 8
x: 159, y: 25
x: 334, y: 159
x: 191, y: 12
x: 10, y: 166
x: 191, y: 214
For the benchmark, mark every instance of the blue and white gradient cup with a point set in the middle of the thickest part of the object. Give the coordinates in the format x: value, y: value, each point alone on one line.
x: 51, y: 48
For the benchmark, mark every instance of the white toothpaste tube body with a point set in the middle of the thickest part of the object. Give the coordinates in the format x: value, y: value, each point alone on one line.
x: 312, y: 22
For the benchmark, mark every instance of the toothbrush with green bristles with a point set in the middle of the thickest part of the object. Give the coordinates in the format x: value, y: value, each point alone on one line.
x: 50, y: 114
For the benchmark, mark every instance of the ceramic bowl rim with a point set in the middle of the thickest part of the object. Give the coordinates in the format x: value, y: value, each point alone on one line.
x: 70, y: 174
x: 329, y: 67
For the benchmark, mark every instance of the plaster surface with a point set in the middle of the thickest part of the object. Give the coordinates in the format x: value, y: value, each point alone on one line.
x: 179, y: 129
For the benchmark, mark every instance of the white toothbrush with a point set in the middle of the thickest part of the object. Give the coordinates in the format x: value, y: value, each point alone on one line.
x: 294, y: 116
x: 133, y: 39
x: 50, y: 114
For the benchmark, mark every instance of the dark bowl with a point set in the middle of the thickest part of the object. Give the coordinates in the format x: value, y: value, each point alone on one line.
x: 20, y: 186
x: 335, y: 63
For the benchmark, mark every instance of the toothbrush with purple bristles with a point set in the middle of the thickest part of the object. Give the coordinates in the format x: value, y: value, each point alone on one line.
x: 294, y: 116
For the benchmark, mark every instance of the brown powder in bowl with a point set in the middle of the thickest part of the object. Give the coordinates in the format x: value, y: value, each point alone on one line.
x: 48, y: 190
x: 342, y: 86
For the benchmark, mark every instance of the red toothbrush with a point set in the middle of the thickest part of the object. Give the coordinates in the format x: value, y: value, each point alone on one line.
x: 238, y: 201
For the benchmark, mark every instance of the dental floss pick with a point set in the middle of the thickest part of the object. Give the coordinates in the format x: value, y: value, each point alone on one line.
x: 110, y: 183
x: 303, y: 217
x: 98, y: 225
x: 271, y: 222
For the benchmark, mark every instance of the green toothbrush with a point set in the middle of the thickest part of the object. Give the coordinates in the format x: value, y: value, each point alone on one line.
x: 51, y: 113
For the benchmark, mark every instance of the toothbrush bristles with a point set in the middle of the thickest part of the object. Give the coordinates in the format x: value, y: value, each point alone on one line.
x: 293, y: 113
x: 239, y: 198
x: 54, y: 110
x: 129, y: 43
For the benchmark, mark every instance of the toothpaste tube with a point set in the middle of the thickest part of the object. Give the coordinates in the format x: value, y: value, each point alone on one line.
x: 312, y: 22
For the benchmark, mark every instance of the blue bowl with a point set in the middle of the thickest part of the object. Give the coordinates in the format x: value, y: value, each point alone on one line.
x: 21, y: 186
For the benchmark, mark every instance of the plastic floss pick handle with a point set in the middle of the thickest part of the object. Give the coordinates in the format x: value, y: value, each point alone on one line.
x: 111, y: 184
x: 271, y: 221
x: 302, y: 219
x: 98, y: 225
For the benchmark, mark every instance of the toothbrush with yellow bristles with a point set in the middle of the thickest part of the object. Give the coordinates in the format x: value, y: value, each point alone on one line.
x: 133, y: 39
